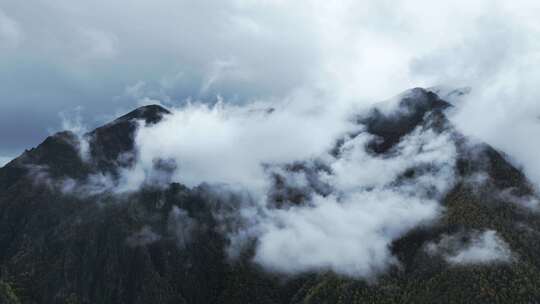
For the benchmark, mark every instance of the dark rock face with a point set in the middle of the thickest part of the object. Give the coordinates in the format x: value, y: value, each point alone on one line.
x: 164, y: 245
x: 412, y: 110
x: 110, y: 142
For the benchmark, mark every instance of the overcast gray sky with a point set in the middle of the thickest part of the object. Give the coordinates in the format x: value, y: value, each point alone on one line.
x: 107, y: 57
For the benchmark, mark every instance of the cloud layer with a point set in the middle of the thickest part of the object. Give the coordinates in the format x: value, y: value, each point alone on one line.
x: 479, y: 248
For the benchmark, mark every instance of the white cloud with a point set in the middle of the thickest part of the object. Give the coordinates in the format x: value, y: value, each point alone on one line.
x: 72, y: 120
x: 481, y: 248
x: 350, y: 231
x: 229, y: 144
x: 351, y: 237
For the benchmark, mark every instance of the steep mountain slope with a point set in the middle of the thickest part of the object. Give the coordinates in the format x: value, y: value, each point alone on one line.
x: 62, y: 243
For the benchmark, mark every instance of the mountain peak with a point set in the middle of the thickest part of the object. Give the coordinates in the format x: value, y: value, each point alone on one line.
x: 411, y: 111
x: 150, y: 114
x: 109, y: 142
x: 421, y: 100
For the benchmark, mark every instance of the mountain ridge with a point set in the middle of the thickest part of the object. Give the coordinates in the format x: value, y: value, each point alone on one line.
x: 165, y: 245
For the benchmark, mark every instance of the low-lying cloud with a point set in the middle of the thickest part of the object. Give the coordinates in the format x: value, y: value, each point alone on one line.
x: 473, y: 248
x: 354, y: 203
x: 230, y: 144
x: 350, y: 231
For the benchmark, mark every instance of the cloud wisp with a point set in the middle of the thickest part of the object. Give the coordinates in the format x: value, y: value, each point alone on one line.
x: 476, y: 248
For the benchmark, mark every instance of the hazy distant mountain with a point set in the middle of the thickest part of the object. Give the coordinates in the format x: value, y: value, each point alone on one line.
x: 67, y: 236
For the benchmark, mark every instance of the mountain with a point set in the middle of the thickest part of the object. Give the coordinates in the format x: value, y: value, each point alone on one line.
x: 65, y: 243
